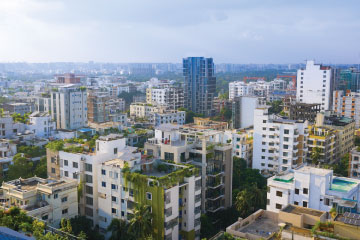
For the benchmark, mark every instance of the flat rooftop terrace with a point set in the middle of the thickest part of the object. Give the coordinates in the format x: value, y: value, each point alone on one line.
x: 300, y: 210
x: 342, y: 185
x: 262, y: 227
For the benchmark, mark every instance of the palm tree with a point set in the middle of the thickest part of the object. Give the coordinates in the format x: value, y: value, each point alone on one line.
x: 249, y: 200
x: 118, y: 229
x: 140, y: 224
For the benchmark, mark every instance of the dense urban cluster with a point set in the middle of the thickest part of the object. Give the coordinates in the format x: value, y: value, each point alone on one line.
x: 180, y: 151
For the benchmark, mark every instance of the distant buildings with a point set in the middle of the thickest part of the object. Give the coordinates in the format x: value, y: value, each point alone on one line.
x: 314, y: 188
x: 8, y: 149
x: 199, y: 84
x: 20, y: 108
x: 41, y: 124
x: 315, y: 84
x: 69, y: 107
x: 67, y: 78
x: 349, y: 80
x: 280, y: 144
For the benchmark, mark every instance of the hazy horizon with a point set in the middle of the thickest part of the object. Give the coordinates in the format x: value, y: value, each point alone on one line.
x: 161, y: 31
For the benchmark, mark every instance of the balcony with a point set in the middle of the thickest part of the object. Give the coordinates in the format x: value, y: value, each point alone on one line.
x: 171, y: 223
x: 197, y: 198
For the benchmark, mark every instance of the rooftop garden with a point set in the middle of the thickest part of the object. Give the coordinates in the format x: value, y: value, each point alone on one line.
x: 325, y: 229
x: 74, y: 145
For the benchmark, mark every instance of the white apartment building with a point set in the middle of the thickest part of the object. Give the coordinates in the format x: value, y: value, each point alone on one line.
x: 7, y: 152
x: 314, y: 188
x: 243, y: 110
x: 315, y: 84
x: 279, y: 144
x: 172, y: 97
x: 143, y: 110
x: 242, y: 143
x: 84, y: 167
x: 237, y: 89
x: 169, y: 116
x: 9, y: 128
x: 69, y: 107
x: 347, y: 105
x: 46, y: 199
x: 41, y: 124
x: 178, y: 205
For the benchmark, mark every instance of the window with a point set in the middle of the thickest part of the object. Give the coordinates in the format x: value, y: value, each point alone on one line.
x: 64, y: 199
x: 45, y: 217
x: 103, y: 184
x: 75, y: 165
x: 66, y: 173
x: 88, y: 178
x: 122, y: 213
x: 305, y: 204
x: 148, y: 196
x: 278, y: 193
x: 89, y: 212
x: 113, y: 186
x: 327, y: 201
x: 305, y: 190
x: 103, y: 172
x: 286, y: 139
x: 88, y: 167
x: 286, y: 146
x: 89, y: 190
x: 89, y: 201
x: 296, y: 203
x: 53, y: 159
x: 264, y: 121
x: 115, y: 150
x: 286, y: 131
x: 52, y: 170
x: 55, y: 196
x: 64, y: 211
x: 131, y: 193
x: 113, y: 199
x: 297, y: 191
x: 263, y: 150
x: 267, y: 201
x: 278, y: 206
x: 75, y: 176
x: 113, y: 210
x: 66, y: 163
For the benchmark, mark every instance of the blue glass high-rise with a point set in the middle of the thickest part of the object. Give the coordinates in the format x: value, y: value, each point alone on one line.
x: 199, y: 84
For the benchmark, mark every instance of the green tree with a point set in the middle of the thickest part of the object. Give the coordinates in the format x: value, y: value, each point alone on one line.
x: 41, y: 168
x: 207, y: 229
x: 21, y: 167
x: 189, y: 115
x: 81, y: 224
x: 119, y: 229
x: 315, y: 155
x: 226, y: 113
x: 275, y: 107
x: 250, y: 200
x: 140, y: 224
x: 342, y: 167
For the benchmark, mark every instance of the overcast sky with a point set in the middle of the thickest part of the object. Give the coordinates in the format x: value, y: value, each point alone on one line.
x: 230, y: 31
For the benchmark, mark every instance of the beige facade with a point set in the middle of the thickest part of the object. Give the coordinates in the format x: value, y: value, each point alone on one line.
x: 53, y: 163
x: 46, y: 199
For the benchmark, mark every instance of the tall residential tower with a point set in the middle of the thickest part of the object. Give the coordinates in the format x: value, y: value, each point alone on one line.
x: 199, y: 84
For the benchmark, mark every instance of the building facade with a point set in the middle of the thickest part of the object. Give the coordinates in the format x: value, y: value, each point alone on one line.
x: 172, y: 97
x: 279, y: 144
x: 199, y: 84
x: 69, y: 107
x: 347, y: 104
x: 315, y: 84
x: 243, y: 110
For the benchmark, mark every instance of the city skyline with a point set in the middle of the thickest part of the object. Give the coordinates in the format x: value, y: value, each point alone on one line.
x: 140, y: 31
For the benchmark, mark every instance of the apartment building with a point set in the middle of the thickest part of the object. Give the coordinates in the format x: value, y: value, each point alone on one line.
x: 67, y: 78
x: 175, y: 204
x: 69, y: 107
x: 279, y: 143
x: 172, y: 97
x: 156, y: 114
x: 243, y: 110
x: 43, y: 104
x: 242, y: 143
x: 354, y: 163
x: 203, y: 148
x: 238, y: 89
x: 82, y: 165
x: 9, y: 128
x: 41, y: 124
x: 19, y: 107
x: 315, y: 84
x: 7, y: 151
x: 347, y: 105
x: 325, y: 141
x: 313, y: 188
x: 46, y: 199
